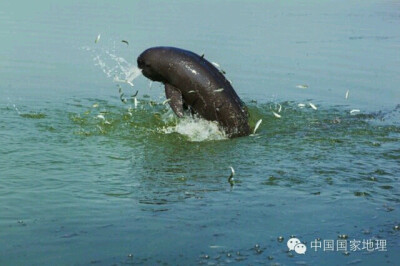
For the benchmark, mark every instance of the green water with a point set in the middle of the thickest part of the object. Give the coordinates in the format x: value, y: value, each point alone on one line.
x: 88, y: 179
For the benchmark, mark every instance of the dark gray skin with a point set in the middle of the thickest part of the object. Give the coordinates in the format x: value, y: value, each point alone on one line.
x: 193, y: 82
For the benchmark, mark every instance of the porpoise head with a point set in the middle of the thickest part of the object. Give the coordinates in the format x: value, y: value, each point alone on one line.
x: 151, y: 62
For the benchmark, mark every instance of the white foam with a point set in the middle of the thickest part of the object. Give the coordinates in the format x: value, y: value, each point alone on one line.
x: 197, y: 129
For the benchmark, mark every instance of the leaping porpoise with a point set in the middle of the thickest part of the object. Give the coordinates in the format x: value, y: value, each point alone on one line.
x: 193, y: 82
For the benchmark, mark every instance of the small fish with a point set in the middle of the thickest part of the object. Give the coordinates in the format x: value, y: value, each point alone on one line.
x: 280, y: 108
x: 124, y: 41
x: 215, y: 64
x: 135, y: 102
x: 130, y: 83
x: 230, y: 81
x: 313, y: 106
x: 276, y: 115
x: 217, y: 246
x: 301, y: 105
x: 219, y: 90
x: 97, y: 39
x: 257, y: 125
x: 302, y: 86
x: 354, y: 111
x: 95, y: 105
x: 121, y: 97
x: 232, y: 171
x: 230, y: 178
x: 107, y: 123
x: 191, y: 91
x: 101, y: 117
x: 134, y: 95
x: 347, y: 94
x: 166, y: 101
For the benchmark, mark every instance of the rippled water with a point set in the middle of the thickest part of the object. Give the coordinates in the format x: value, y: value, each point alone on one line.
x: 88, y: 175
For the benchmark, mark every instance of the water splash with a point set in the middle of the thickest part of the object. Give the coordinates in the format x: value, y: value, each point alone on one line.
x: 120, y: 70
x: 114, y: 66
x: 196, y: 129
x: 123, y: 71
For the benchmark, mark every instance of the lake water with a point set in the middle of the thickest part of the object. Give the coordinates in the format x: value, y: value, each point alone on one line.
x: 88, y: 179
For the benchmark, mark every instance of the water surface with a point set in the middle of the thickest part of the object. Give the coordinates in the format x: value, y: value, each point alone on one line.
x: 86, y: 178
